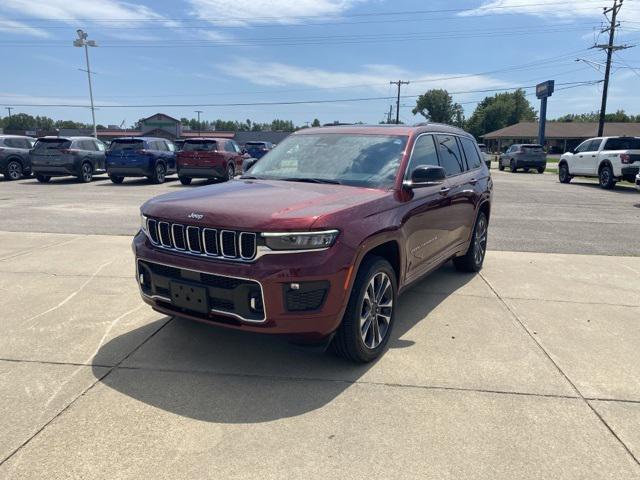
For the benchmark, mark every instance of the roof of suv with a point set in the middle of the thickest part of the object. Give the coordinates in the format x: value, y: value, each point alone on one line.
x: 385, y: 129
x: 138, y: 138
x: 202, y: 139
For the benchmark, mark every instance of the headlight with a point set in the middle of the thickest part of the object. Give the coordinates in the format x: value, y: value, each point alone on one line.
x: 143, y: 223
x: 300, y: 240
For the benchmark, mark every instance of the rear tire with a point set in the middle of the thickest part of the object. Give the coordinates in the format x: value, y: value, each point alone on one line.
x: 43, y: 178
x: 368, y: 319
x: 606, y: 178
x: 86, y: 173
x: 563, y: 173
x: 500, y: 166
x: 185, y: 180
x: 159, y: 174
x: 231, y: 172
x: 474, y: 258
x: 13, y: 171
x: 540, y: 169
x: 116, y: 179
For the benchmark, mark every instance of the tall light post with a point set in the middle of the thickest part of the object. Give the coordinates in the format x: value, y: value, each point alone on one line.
x: 199, y: 126
x: 82, y: 41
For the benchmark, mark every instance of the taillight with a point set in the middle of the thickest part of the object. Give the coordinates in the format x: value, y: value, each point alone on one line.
x: 625, y: 158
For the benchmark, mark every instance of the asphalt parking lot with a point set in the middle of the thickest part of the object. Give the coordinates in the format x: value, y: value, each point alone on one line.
x: 532, y: 213
x: 528, y: 370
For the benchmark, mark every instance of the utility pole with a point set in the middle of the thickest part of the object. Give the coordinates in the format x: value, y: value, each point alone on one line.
x: 399, y: 83
x: 390, y: 113
x: 610, y: 48
x: 82, y: 41
x: 9, y: 108
x: 199, y: 126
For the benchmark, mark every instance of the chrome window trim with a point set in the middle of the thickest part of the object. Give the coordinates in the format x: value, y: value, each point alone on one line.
x: 213, y: 310
x: 255, y: 240
x: 160, y: 234
x: 221, y: 244
x: 204, y: 243
x: 173, y: 236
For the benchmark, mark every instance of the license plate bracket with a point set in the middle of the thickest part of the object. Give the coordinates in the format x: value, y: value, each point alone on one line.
x: 189, y: 296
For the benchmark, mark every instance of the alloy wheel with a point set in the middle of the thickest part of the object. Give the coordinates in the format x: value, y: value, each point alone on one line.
x: 376, y: 310
x: 480, y: 240
x: 14, y: 170
x: 160, y: 173
x: 230, y: 172
x: 87, y: 172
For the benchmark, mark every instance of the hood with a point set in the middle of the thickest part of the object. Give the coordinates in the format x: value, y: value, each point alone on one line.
x: 259, y: 205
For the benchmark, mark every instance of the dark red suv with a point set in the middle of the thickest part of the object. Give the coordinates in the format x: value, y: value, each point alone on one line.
x: 210, y: 158
x: 320, y: 236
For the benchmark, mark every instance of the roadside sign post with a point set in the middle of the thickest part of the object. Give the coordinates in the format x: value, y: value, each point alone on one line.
x: 543, y: 91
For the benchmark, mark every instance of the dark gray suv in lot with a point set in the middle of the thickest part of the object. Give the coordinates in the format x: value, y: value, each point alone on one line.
x: 525, y: 156
x: 80, y: 157
x: 14, y: 156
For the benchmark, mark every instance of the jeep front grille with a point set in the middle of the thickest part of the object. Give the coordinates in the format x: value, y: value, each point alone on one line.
x: 209, y: 242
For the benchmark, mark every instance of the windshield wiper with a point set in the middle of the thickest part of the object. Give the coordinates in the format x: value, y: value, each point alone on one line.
x: 310, y: 180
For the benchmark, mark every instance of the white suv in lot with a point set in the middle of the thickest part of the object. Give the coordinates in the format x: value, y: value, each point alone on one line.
x: 611, y: 159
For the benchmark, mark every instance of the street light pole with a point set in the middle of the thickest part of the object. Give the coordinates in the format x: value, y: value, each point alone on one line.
x: 199, y: 126
x: 82, y: 41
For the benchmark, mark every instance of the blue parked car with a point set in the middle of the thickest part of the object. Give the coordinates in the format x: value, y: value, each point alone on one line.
x: 258, y: 149
x: 150, y: 157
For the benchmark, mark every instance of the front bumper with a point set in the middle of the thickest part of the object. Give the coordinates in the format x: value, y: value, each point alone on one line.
x: 267, y: 279
x: 638, y: 182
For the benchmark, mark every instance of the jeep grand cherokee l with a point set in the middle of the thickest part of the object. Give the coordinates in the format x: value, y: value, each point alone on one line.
x: 320, y: 236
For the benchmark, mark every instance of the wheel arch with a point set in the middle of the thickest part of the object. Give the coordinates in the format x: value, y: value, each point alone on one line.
x: 604, y: 163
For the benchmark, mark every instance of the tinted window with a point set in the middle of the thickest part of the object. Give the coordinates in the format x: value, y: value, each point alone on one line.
x: 88, y: 145
x: 470, y: 151
x: 424, y: 153
x: 594, y: 145
x: 629, y: 143
x: 200, y: 146
x: 14, y: 143
x: 228, y: 147
x: 52, y: 144
x: 117, y: 145
x: 449, y: 154
x: 170, y: 146
x: 101, y: 147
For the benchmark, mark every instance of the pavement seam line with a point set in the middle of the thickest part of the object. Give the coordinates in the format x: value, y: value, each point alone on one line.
x: 557, y: 366
x: 31, y: 250
x: 82, y: 394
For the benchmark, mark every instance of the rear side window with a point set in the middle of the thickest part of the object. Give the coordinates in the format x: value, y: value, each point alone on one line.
x: 52, y: 144
x: 200, y: 146
x: 424, y: 153
x: 118, y: 145
x: 470, y: 151
x: 161, y: 146
x: 101, y: 146
x: 449, y: 154
x: 228, y: 147
x: 87, y: 145
x: 16, y: 143
x: 628, y: 143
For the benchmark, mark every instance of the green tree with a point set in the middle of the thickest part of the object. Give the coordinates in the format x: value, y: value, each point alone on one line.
x: 499, y: 111
x: 315, y: 123
x: 437, y: 105
x: 618, y: 116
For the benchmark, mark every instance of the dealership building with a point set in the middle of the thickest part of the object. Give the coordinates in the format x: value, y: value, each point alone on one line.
x: 560, y: 136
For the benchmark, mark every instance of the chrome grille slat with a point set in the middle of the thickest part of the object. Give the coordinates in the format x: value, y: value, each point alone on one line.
x: 202, y: 241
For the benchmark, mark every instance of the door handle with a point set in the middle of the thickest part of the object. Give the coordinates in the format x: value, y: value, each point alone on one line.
x: 593, y: 155
x: 444, y: 190
x: 473, y: 181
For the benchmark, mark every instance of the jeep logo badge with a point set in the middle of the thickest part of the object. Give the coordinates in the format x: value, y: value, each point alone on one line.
x: 196, y: 216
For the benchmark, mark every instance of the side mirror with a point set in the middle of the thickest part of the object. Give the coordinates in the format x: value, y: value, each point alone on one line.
x: 243, y: 151
x: 426, y: 176
x: 248, y: 163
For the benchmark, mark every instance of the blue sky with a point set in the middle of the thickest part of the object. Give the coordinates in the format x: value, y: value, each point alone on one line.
x: 204, y: 52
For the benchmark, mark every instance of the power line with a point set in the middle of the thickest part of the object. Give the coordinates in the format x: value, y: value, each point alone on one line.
x: 292, y: 102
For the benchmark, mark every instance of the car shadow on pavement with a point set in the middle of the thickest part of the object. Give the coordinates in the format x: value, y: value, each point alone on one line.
x: 61, y: 181
x: 137, y: 182
x: 218, y: 375
x: 627, y: 188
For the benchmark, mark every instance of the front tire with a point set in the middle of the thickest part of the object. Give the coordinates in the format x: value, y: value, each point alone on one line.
x: 13, y: 171
x: 231, y: 172
x: 185, y: 180
x: 86, y: 173
x: 368, y: 319
x: 159, y: 174
x: 500, y: 166
x: 117, y: 179
x: 474, y: 258
x: 606, y: 178
x: 43, y: 178
x: 563, y: 173
x: 512, y: 166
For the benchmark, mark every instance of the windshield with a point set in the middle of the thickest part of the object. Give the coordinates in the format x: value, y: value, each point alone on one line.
x: 117, y: 145
x: 200, y: 146
x: 52, y: 144
x: 350, y: 159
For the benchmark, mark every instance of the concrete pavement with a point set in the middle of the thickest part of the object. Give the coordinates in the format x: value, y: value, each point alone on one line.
x: 529, y: 370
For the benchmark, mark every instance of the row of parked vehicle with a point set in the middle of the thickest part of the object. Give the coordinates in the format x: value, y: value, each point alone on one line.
x: 209, y: 158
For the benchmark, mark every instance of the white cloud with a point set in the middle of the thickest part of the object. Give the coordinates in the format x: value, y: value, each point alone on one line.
x: 568, y: 10
x: 11, y: 26
x: 373, y: 78
x: 247, y: 12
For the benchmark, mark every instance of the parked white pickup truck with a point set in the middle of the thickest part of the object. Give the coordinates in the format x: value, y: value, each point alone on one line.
x: 611, y: 159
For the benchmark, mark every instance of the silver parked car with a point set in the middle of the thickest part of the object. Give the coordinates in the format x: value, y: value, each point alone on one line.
x: 524, y: 156
x: 80, y: 157
x: 14, y: 156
